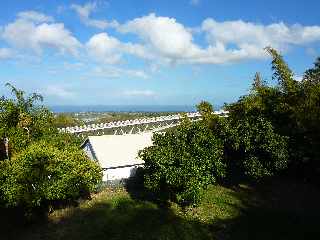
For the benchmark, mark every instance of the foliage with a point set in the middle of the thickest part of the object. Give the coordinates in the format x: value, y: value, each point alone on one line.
x: 64, y: 120
x: 181, y: 163
x: 292, y: 109
x: 22, y: 121
x: 204, y: 108
x: 253, y: 148
x: 42, y: 174
x: 45, y: 166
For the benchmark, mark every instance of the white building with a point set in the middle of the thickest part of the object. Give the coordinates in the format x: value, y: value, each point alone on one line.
x: 117, y: 154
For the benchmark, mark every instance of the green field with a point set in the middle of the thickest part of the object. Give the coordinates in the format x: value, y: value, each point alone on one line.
x: 271, y: 210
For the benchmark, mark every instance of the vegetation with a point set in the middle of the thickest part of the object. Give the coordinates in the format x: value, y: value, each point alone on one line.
x: 277, y: 209
x: 292, y: 108
x: 270, y: 141
x: 44, y: 167
x: 181, y: 163
x: 273, y: 130
x: 66, y: 120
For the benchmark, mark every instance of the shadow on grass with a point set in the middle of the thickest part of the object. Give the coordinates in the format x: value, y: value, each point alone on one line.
x: 276, y: 208
x: 270, y: 210
x: 122, y: 219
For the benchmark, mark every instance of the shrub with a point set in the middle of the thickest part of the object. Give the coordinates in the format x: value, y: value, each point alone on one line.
x: 181, y: 163
x: 43, y: 174
x: 253, y: 148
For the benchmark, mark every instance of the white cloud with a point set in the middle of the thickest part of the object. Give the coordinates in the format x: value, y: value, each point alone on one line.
x: 59, y: 91
x: 194, y: 2
x: 161, y: 40
x: 230, y: 41
x: 35, y: 16
x: 27, y: 32
x: 248, y: 39
x: 104, y: 48
x: 139, y: 93
x: 116, y: 72
x: 6, y: 53
x: 84, y: 12
x: 163, y: 36
x: 107, y: 49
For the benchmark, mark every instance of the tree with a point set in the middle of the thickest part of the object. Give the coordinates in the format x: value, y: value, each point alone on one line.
x: 282, y: 72
x: 22, y: 121
x: 253, y: 149
x: 312, y: 75
x: 46, y: 166
x: 205, y: 108
x: 181, y: 163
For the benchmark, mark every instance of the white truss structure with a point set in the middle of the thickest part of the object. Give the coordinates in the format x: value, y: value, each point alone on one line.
x: 150, y: 124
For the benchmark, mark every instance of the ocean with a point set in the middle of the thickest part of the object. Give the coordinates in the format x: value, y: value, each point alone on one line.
x: 123, y: 108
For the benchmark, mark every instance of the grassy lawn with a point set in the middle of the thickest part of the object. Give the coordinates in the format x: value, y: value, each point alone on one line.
x: 272, y: 210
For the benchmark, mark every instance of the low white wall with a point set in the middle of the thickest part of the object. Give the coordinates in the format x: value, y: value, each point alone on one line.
x: 119, y: 173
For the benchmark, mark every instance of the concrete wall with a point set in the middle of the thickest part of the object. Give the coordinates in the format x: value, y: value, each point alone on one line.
x: 119, y: 173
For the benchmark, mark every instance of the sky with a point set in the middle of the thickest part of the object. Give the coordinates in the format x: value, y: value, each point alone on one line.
x: 153, y: 52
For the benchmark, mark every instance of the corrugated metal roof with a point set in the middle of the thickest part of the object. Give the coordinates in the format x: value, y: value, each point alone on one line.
x: 114, y: 151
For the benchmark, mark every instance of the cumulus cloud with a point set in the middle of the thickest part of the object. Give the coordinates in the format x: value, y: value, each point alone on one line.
x: 161, y: 40
x: 32, y: 30
x: 248, y: 39
x: 84, y: 12
x: 162, y: 35
x: 228, y: 41
x: 105, y: 48
x: 139, y: 93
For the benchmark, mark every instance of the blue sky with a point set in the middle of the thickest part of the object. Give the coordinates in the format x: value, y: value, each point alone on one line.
x: 150, y: 52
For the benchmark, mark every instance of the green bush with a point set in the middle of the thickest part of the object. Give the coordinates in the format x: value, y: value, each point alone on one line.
x: 253, y: 148
x: 43, y: 174
x: 181, y: 163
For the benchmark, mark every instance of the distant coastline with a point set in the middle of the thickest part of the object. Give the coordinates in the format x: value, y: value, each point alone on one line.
x: 122, y: 108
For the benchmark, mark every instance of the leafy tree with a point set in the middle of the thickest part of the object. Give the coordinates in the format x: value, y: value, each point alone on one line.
x: 312, y: 75
x: 22, y: 121
x: 46, y: 166
x: 43, y: 174
x: 282, y: 72
x: 181, y: 163
x: 292, y: 108
x: 252, y: 148
x: 205, y: 108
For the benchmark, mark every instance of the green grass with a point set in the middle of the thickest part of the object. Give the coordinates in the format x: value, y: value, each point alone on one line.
x: 272, y: 210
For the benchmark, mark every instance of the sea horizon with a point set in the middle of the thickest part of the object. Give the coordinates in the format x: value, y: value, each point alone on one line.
x: 121, y: 108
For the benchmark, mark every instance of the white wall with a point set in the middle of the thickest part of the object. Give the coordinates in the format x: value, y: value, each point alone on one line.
x: 119, y: 173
